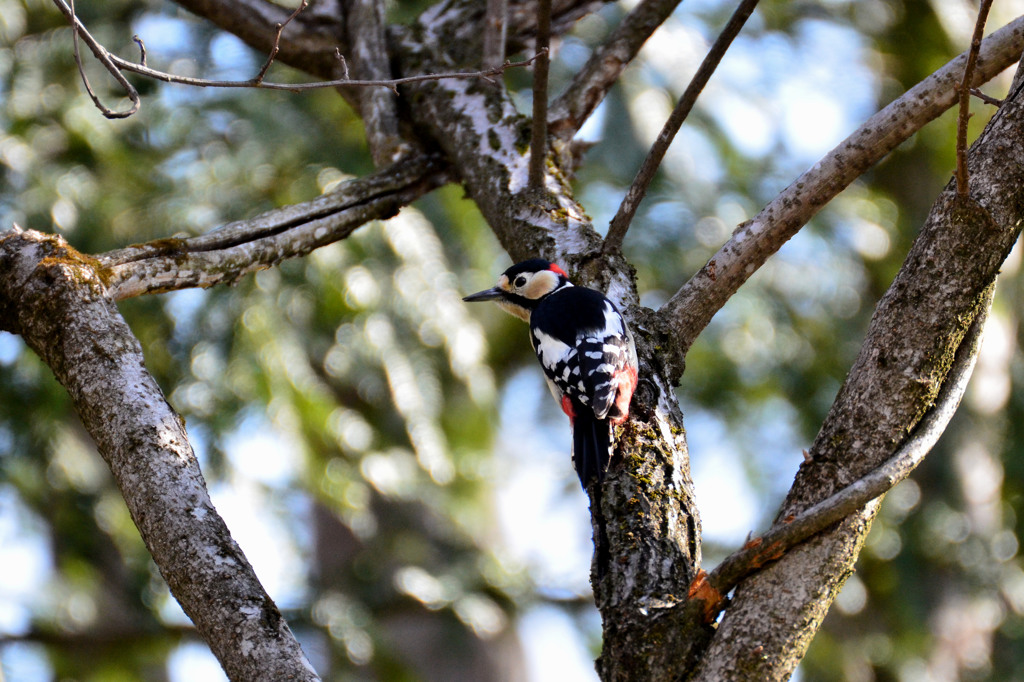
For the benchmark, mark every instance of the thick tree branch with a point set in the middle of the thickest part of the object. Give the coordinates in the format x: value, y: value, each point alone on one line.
x: 495, y: 33
x: 234, y: 250
x: 790, y: 531
x: 602, y: 70
x: 690, y: 310
x: 941, y: 289
x: 378, y: 108
x: 313, y: 40
x: 479, y: 130
x: 539, y: 127
x: 53, y: 298
x: 627, y: 209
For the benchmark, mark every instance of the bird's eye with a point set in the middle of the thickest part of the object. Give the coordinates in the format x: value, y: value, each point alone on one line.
x: 520, y: 281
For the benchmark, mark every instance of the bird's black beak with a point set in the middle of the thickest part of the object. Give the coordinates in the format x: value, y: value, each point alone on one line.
x: 486, y: 295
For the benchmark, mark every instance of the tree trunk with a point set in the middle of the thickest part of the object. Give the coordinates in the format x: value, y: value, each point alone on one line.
x: 645, y: 520
x: 51, y: 295
x: 913, y: 337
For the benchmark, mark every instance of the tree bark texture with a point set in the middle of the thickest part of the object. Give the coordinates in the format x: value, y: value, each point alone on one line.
x: 230, y: 252
x: 51, y: 296
x: 646, y: 526
x: 914, y: 334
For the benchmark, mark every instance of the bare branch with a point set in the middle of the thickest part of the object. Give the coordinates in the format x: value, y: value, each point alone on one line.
x: 690, y: 310
x: 364, y: 21
x: 965, y: 99
x: 910, y: 346
x: 117, y: 64
x: 486, y: 74
x: 277, y: 41
x: 539, y: 135
x: 234, y: 250
x: 792, y: 531
x: 985, y: 98
x: 627, y: 209
x: 602, y: 70
x: 104, y: 58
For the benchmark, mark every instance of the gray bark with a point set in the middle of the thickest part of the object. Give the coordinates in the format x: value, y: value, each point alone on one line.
x: 646, y: 525
x: 910, y: 344
x: 51, y: 295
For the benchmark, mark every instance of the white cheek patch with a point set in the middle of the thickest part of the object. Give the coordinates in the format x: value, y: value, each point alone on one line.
x: 542, y: 283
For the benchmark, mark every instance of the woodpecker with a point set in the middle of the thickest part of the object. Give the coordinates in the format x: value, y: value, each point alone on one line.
x: 585, y: 349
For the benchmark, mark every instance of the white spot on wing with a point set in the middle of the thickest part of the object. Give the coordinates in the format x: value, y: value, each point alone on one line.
x: 549, y: 349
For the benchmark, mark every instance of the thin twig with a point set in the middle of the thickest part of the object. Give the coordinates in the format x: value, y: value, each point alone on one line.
x: 301, y: 87
x: 965, y: 99
x: 539, y: 137
x: 592, y: 82
x: 637, y: 191
x: 344, y: 65
x: 788, y: 533
x: 277, y: 41
x: 115, y: 65
x: 987, y: 99
x: 690, y: 310
x: 142, y: 49
x: 104, y: 57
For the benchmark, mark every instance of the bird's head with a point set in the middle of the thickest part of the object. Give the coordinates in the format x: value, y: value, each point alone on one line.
x: 523, y: 286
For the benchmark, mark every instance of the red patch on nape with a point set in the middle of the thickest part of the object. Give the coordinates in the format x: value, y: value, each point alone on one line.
x: 567, y: 407
x: 560, y: 271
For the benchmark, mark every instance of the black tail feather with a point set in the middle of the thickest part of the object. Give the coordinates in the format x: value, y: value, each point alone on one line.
x: 591, y: 446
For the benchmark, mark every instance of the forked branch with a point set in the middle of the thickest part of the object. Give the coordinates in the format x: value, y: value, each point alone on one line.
x: 789, y: 532
x: 690, y: 310
x: 116, y: 65
x: 104, y: 58
x: 276, y: 47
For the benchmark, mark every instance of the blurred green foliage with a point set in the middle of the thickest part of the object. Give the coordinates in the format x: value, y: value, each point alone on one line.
x: 352, y: 399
